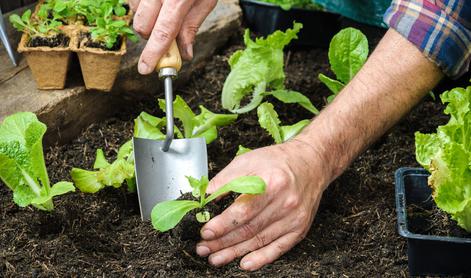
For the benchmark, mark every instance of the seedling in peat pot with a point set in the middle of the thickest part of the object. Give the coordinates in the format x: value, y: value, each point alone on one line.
x: 348, y: 52
x: 107, y: 31
x: 22, y: 166
x: 166, y: 215
x: 45, y: 28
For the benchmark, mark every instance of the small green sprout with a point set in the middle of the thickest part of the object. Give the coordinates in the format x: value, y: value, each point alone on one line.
x: 166, y: 215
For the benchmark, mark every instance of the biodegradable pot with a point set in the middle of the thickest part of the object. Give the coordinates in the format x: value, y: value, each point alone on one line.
x: 265, y: 18
x: 427, y: 254
x: 99, y: 67
x: 48, y: 64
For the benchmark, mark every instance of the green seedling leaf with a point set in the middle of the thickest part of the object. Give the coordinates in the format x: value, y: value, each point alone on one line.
x: 100, y: 160
x: 86, y: 181
x: 348, y: 52
x: 22, y: 165
x: 256, y: 70
x: 203, y: 216
x: 167, y: 215
x: 287, y: 96
x: 183, y: 112
x: 243, y: 185
x: 334, y: 86
x: 242, y: 150
x: 288, y: 132
x: 268, y: 119
x: 148, y: 127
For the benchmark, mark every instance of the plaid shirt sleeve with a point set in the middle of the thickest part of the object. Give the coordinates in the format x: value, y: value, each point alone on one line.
x: 441, y: 29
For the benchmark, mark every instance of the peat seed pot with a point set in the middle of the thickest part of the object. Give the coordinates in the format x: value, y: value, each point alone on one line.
x: 48, y: 64
x: 427, y: 254
x: 99, y: 67
x: 265, y: 18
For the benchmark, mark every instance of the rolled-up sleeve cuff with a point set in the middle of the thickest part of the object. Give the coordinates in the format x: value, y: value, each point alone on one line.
x: 439, y: 36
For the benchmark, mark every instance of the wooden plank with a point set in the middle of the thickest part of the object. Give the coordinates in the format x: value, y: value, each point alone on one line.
x: 10, y: 5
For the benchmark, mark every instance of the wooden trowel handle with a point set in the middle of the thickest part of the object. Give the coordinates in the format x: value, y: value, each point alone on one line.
x: 171, y: 59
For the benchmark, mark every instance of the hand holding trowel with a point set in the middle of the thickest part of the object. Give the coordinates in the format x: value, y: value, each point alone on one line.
x: 162, y: 166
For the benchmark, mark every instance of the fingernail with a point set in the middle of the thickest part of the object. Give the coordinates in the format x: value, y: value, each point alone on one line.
x: 207, y: 234
x: 143, y: 68
x: 189, y: 51
x: 216, y: 260
x: 248, y: 265
x: 202, y: 250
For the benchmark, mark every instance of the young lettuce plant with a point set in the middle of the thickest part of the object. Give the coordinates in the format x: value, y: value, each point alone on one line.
x: 35, y: 28
x: 166, y: 215
x: 257, y: 71
x: 446, y: 154
x: 22, y: 165
x: 107, y: 30
x: 148, y: 127
x: 269, y: 120
x: 348, y: 52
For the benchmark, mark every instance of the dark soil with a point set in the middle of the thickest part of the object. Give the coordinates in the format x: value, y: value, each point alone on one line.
x: 354, y: 233
x: 428, y: 219
x: 90, y: 43
x: 60, y: 40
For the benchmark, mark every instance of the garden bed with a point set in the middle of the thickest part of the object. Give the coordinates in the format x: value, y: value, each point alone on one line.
x: 354, y: 233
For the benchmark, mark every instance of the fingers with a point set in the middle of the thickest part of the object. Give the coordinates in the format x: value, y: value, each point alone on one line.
x: 146, y: 16
x: 244, y: 232
x: 133, y: 4
x: 260, y: 240
x: 242, y: 211
x: 268, y: 254
x: 163, y: 33
x: 191, y: 24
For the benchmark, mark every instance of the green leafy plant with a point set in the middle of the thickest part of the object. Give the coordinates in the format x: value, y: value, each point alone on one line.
x: 35, y: 28
x: 22, y: 165
x: 348, y: 52
x: 62, y: 10
x: 269, y: 120
x: 166, y: 215
x: 446, y: 154
x: 148, y: 126
x: 107, y: 30
x: 257, y: 71
x: 289, y: 4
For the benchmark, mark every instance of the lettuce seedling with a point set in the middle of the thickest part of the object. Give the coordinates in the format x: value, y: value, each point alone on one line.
x: 446, y: 154
x: 22, y: 165
x: 148, y: 127
x: 107, y: 30
x: 166, y: 215
x: 348, y: 52
x: 35, y: 28
x: 269, y: 120
x: 257, y: 71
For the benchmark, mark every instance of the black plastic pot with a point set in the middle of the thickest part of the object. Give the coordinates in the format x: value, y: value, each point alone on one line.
x: 428, y: 254
x: 265, y: 18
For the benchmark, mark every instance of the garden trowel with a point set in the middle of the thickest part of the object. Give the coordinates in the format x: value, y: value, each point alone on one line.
x: 162, y: 166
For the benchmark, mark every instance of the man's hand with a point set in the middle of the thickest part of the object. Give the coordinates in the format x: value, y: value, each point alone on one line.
x: 393, y: 80
x: 266, y: 226
x: 161, y: 21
